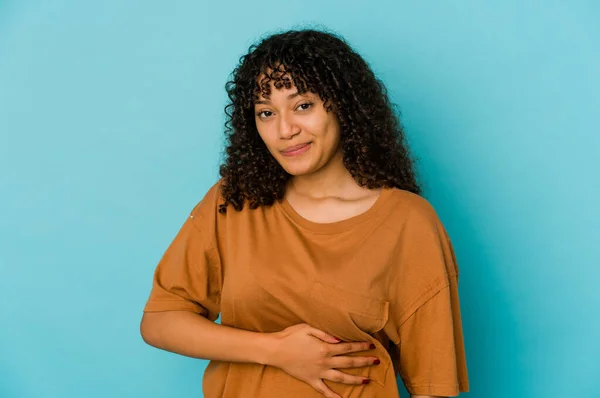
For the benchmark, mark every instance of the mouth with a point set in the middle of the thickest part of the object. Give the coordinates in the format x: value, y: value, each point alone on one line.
x: 296, y: 149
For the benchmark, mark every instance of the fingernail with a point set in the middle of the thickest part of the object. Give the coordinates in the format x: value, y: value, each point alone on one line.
x: 366, y: 381
x: 372, y: 346
x: 376, y: 362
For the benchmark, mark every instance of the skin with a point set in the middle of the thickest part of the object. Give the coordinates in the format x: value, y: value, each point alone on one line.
x: 321, y: 190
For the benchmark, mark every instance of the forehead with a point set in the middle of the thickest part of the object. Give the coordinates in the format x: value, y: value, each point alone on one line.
x: 281, y: 86
x: 293, y: 93
x: 277, y: 78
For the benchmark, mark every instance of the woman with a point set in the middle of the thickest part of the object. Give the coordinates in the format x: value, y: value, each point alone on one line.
x: 331, y: 273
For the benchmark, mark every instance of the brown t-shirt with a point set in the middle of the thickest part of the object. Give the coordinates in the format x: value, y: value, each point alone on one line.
x: 388, y: 276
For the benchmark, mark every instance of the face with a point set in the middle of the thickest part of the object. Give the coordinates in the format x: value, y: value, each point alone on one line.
x: 286, y: 120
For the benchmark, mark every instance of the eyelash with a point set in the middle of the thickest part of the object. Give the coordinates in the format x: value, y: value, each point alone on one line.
x: 305, y: 103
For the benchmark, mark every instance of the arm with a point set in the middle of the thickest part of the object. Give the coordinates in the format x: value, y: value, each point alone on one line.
x: 425, y: 309
x: 192, y: 335
x: 302, y: 351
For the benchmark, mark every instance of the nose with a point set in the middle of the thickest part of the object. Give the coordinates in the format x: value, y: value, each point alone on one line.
x: 287, y: 126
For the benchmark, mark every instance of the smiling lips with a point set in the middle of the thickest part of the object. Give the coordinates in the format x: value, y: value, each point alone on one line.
x: 296, y: 149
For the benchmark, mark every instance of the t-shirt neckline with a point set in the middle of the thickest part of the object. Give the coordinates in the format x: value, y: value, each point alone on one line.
x: 336, y: 226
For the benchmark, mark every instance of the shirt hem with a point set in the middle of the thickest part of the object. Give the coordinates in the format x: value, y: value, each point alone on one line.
x: 445, y: 390
x: 172, y: 305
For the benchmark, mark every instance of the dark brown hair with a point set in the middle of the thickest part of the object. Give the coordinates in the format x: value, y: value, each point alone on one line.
x: 371, y: 135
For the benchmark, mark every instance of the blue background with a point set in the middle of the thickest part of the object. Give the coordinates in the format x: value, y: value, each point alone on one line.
x: 111, y: 121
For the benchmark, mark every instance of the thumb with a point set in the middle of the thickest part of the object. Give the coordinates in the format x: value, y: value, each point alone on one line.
x: 323, y: 336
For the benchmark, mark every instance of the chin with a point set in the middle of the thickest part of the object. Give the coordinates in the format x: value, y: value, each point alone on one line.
x: 297, y: 170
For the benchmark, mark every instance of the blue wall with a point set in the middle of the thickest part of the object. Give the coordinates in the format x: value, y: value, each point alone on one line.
x: 111, y: 120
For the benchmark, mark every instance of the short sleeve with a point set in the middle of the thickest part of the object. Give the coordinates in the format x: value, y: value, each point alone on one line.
x: 425, y: 308
x: 188, y: 275
x: 432, y: 353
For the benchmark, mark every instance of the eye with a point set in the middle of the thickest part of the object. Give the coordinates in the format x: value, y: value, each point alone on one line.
x: 261, y: 112
x: 307, y: 104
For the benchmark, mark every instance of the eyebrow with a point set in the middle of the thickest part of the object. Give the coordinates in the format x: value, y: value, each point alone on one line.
x: 291, y: 96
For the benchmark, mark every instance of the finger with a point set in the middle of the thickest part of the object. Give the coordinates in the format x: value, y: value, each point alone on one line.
x: 345, y: 378
x: 345, y: 348
x: 323, y: 389
x: 326, y: 337
x: 344, y: 362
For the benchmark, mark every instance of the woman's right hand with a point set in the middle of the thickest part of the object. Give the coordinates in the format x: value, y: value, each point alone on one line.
x: 311, y: 355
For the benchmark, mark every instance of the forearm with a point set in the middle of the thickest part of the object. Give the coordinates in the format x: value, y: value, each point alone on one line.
x: 187, y: 333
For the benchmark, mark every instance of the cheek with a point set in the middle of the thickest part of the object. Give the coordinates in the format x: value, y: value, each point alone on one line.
x: 265, y: 136
x: 314, y: 126
x: 331, y: 135
x: 270, y: 140
x: 324, y: 126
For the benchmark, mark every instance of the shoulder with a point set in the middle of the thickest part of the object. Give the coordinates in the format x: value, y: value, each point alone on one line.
x: 424, y: 261
x: 208, y: 206
x: 424, y: 243
x: 412, y: 210
x: 416, y: 224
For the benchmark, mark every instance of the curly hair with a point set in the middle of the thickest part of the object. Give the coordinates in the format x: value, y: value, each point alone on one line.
x: 371, y: 136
